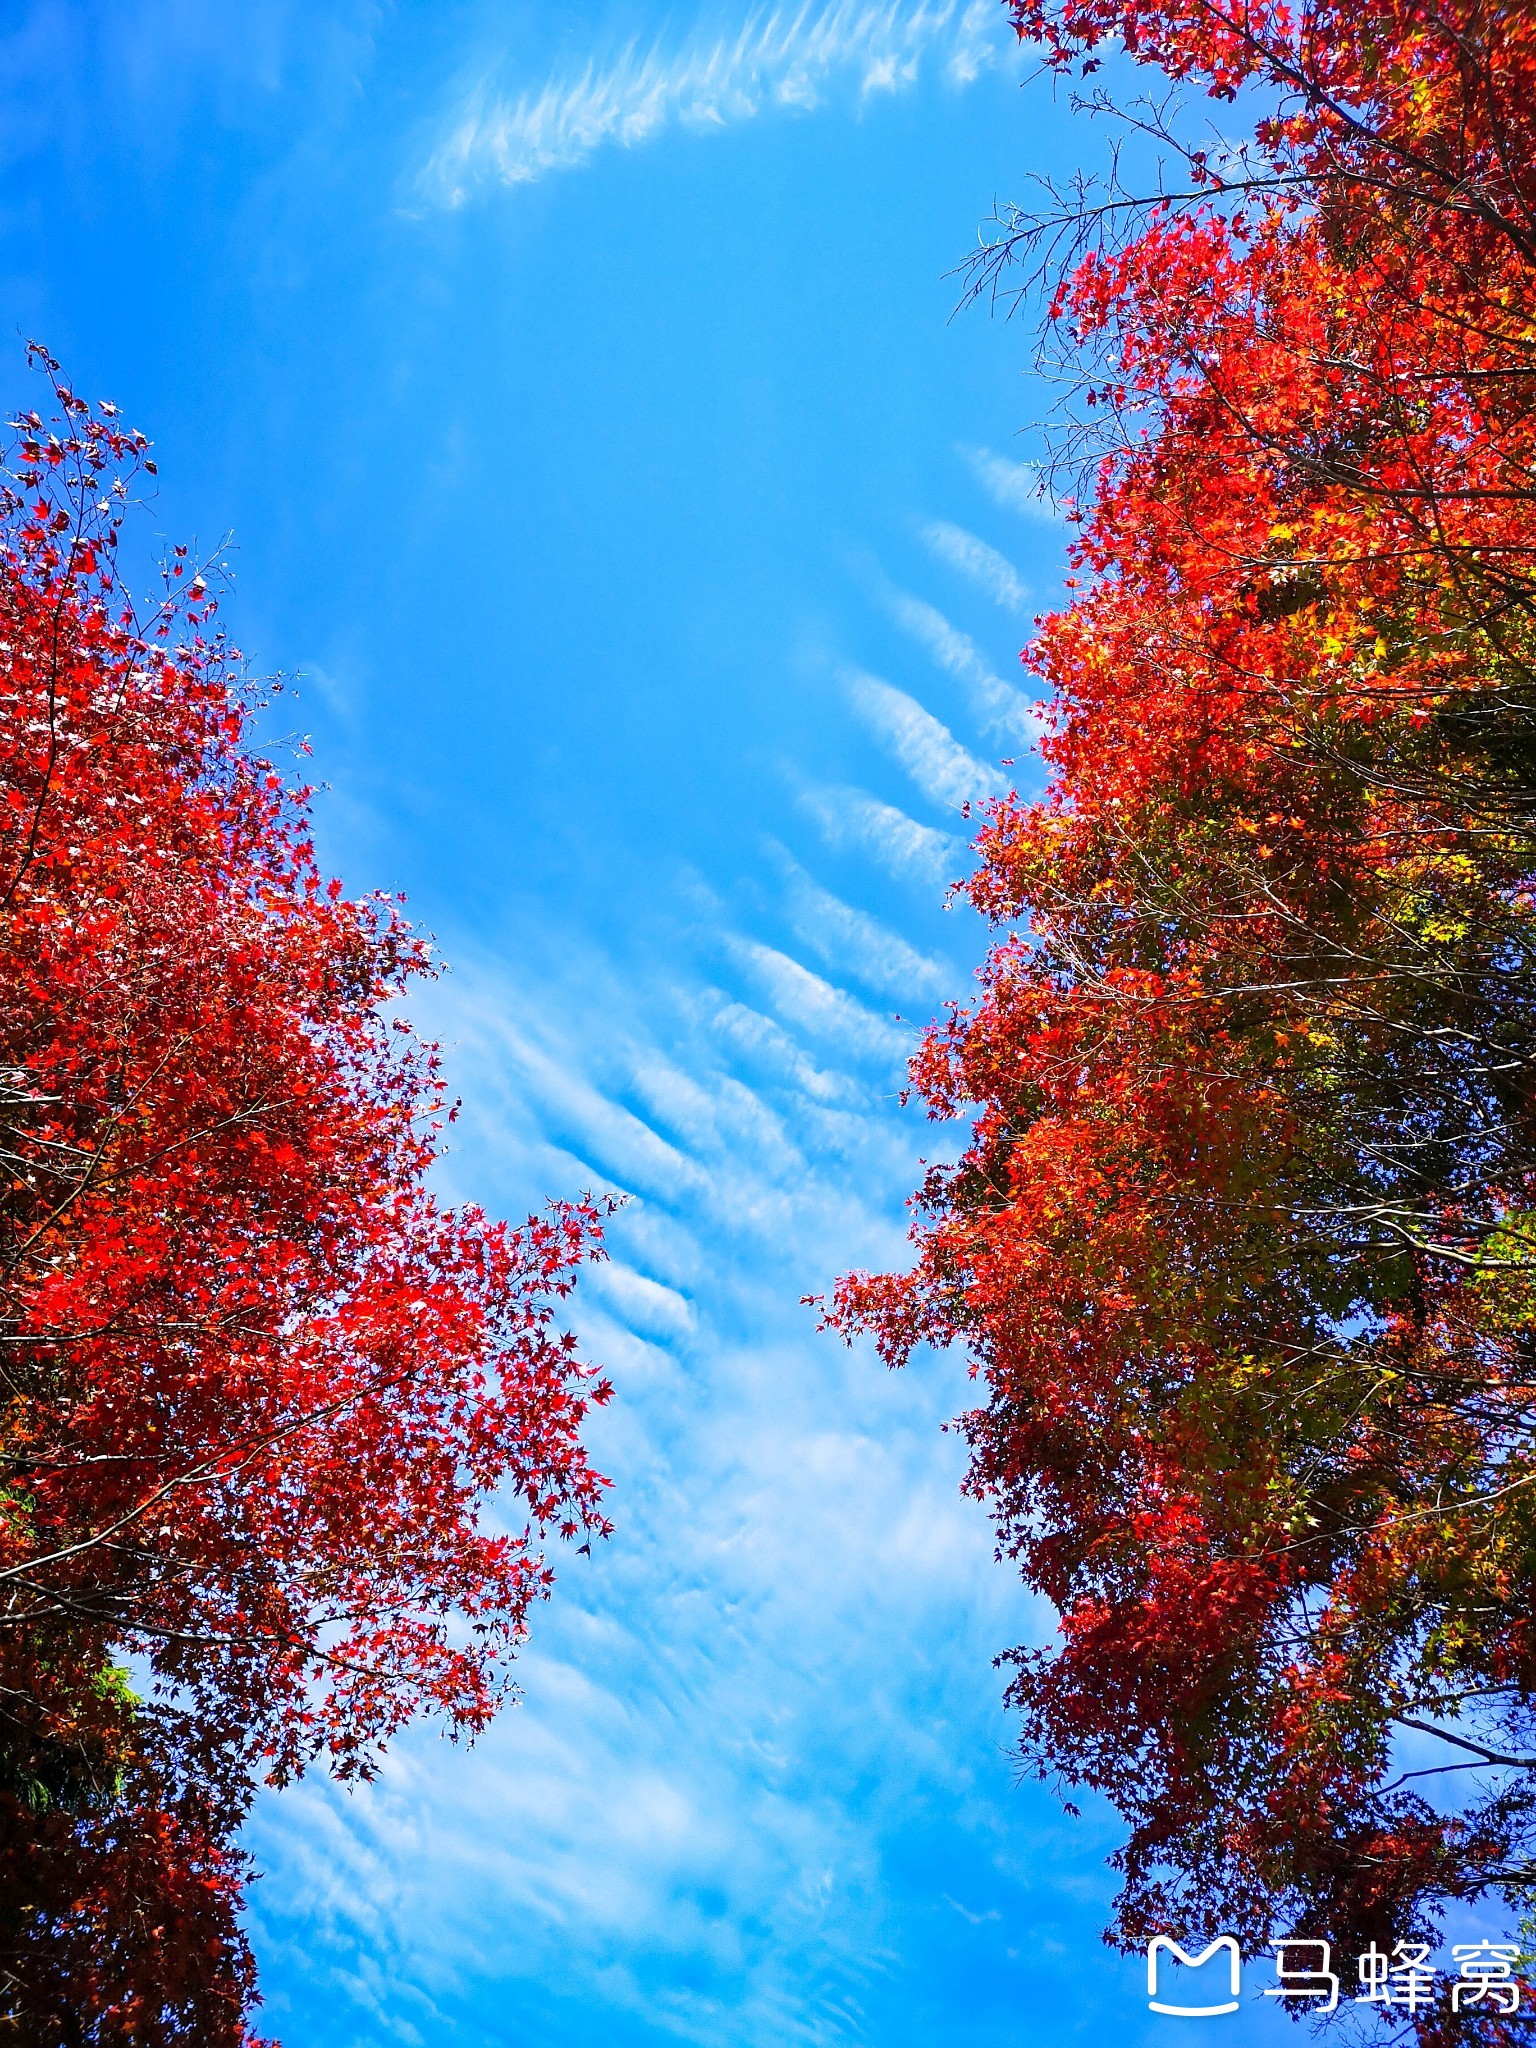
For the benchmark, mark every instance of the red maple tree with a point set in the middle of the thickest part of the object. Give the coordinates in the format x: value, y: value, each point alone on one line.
x: 1244, y: 1237
x: 264, y: 1402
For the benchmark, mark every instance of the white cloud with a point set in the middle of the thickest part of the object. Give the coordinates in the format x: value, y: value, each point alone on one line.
x: 722, y: 1115
x: 1016, y: 486
x: 645, y: 1306
x: 785, y: 56
x: 983, y: 564
x: 852, y: 819
x: 816, y: 1006
x: 749, y: 1031
x: 851, y: 941
x: 929, y: 751
x: 526, y: 1077
x: 1002, y: 709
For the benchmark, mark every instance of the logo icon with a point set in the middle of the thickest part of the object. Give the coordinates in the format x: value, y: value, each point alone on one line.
x: 1194, y: 2012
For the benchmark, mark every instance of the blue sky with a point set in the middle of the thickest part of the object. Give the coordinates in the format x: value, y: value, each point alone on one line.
x: 579, y: 386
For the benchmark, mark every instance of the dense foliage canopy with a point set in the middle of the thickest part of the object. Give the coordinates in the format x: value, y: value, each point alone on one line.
x: 257, y: 1387
x: 1244, y: 1237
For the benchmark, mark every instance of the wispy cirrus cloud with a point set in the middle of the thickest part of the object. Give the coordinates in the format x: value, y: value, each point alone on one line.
x: 851, y: 820
x: 815, y: 1006
x: 1002, y: 709
x: 1016, y: 486
x: 784, y: 57
x: 983, y: 564
x: 942, y: 769
x: 849, y: 940
x: 693, y: 1828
